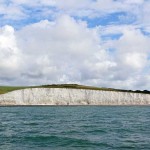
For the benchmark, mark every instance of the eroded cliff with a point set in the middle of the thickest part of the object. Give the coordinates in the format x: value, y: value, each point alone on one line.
x: 64, y: 96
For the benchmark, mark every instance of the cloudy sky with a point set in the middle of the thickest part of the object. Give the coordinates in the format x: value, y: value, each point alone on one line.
x: 103, y: 43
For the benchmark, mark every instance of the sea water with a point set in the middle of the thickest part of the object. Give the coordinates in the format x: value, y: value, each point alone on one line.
x: 75, y: 127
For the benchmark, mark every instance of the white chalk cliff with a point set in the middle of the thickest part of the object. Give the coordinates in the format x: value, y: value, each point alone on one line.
x: 64, y: 96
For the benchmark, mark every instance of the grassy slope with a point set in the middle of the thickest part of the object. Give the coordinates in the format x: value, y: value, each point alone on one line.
x: 5, y: 89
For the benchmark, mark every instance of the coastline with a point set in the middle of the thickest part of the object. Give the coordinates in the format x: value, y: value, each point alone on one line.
x: 72, y: 97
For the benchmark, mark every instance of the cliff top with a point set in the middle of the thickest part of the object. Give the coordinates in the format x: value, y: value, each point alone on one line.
x: 6, y: 89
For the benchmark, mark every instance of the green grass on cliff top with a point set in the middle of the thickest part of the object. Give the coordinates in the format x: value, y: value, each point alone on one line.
x: 6, y: 89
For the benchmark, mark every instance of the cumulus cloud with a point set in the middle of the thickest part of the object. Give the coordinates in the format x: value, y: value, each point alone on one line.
x: 9, y: 54
x: 131, y: 52
x: 59, y: 51
x: 67, y: 50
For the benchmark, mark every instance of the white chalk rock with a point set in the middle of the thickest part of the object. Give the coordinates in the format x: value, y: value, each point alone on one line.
x: 64, y: 96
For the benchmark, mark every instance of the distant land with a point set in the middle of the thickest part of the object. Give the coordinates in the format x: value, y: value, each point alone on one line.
x: 6, y: 89
x: 70, y: 94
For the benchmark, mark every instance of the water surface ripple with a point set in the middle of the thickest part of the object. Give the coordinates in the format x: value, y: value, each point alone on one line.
x: 72, y: 128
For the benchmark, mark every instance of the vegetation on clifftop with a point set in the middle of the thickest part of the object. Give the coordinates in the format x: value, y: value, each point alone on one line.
x: 6, y: 89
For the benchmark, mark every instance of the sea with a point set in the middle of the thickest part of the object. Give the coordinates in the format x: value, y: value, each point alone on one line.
x: 75, y: 128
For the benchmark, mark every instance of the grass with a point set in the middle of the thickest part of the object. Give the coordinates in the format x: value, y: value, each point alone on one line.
x: 6, y: 89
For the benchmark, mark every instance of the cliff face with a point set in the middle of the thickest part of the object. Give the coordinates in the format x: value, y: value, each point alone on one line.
x: 62, y: 96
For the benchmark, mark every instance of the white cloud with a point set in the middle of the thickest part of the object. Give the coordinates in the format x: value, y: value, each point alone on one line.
x: 132, y: 49
x: 131, y: 53
x: 66, y: 50
x: 11, y: 11
x: 78, y: 8
x: 60, y: 50
x: 9, y: 54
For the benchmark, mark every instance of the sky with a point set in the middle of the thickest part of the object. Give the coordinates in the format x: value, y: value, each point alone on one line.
x: 103, y: 43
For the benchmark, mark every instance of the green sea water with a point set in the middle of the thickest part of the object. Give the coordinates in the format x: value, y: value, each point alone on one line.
x: 75, y: 128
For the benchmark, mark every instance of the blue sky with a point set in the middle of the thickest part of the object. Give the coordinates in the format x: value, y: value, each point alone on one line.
x: 93, y: 42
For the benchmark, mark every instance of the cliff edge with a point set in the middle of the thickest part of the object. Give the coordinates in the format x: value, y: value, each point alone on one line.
x: 69, y: 96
